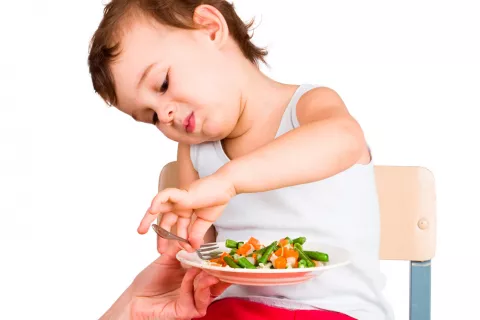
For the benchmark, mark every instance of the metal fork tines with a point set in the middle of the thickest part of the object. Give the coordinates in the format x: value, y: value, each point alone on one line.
x: 205, y: 252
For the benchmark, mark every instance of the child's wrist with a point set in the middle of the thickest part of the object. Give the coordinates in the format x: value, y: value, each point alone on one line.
x: 227, y: 173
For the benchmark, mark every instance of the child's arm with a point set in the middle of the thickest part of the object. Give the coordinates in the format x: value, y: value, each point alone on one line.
x: 187, y: 175
x: 328, y: 141
x: 171, y: 221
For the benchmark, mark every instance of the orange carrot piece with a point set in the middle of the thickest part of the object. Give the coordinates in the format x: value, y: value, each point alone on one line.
x: 290, y: 253
x: 218, y: 261
x: 253, y: 241
x: 280, y: 263
x: 279, y: 252
x: 244, y: 249
x: 283, y: 242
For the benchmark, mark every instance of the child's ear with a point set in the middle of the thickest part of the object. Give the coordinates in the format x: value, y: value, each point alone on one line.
x: 210, y: 20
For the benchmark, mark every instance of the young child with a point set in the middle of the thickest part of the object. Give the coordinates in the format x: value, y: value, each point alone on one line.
x: 257, y: 157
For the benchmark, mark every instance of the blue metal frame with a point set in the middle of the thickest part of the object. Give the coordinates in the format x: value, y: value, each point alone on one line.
x: 420, y: 290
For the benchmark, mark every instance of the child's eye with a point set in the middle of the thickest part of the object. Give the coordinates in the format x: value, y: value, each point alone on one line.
x: 154, y: 118
x: 164, y: 86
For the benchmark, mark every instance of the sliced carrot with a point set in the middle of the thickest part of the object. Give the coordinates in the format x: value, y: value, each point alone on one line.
x: 284, y: 242
x: 280, y: 263
x: 244, y: 249
x: 256, y: 246
x: 290, y: 253
x: 254, y: 256
x: 253, y: 241
x: 219, y: 261
x: 279, y: 252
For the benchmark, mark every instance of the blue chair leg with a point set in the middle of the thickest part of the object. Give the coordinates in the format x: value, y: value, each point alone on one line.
x: 420, y: 290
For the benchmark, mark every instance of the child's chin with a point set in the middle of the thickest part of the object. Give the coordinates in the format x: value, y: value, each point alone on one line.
x: 194, y: 140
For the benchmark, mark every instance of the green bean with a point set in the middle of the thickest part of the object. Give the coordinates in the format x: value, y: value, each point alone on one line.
x: 316, y: 255
x: 244, y: 263
x: 261, y: 251
x: 233, y: 251
x: 232, y: 244
x: 303, y: 256
x: 299, y: 240
x: 263, y: 259
x: 302, y: 263
x: 239, y: 244
x: 230, y: 262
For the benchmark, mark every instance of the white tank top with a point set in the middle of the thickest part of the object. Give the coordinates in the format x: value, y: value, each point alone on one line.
x: 341, y: 211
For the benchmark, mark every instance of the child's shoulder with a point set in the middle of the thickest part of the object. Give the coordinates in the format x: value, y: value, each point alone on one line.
x: 319, y: 102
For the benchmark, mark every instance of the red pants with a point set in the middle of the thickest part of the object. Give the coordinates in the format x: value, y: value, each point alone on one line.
x: 238, y: 309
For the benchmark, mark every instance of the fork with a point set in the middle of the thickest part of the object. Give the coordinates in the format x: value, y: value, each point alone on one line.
x: 206, y: 251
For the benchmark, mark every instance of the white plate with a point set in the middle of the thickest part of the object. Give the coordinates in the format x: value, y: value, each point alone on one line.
x: 268, y: 277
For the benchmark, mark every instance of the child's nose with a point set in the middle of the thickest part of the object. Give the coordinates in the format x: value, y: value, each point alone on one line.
x: 167, y: 114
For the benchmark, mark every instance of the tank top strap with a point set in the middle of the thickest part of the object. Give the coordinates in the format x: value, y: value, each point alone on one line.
x: 208, y: 157
x: 289, y: 119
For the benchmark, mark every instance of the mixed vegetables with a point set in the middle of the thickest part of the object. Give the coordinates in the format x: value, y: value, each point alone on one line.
x: 283, y: 254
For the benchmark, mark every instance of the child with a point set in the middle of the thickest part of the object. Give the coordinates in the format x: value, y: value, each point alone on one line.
x: 257, y: 157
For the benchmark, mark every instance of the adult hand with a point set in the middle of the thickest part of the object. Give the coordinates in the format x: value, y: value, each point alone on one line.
x: 164, y: 290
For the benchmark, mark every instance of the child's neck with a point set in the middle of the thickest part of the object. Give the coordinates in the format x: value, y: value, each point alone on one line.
x: 261, y: 97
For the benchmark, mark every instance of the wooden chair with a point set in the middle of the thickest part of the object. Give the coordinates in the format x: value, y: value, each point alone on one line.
x: 408, y: 224
x: 408, y: 228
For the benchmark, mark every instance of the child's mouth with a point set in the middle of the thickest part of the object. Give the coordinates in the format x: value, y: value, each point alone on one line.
x: 189, y: 123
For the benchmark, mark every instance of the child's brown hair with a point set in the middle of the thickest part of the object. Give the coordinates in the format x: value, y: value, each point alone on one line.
x: 105, y: 46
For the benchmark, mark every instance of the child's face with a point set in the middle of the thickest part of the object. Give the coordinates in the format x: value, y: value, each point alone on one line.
x: 189, y: 89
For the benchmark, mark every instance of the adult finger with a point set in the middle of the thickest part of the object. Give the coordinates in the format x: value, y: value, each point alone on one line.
x: 219, y: 288
x: 202, y: 294
x: 169, y: 255
x: 186, y: 303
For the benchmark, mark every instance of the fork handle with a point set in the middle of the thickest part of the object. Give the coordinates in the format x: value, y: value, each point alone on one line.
x: 174, y: 237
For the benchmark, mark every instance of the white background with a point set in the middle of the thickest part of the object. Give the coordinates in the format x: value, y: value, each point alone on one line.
x: 76, y: 176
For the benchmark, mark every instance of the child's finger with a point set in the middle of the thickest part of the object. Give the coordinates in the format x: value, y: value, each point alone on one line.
x: 169, y: 198
x: 147, y: 220
x: 167, y: 221
x: 182, y: 231
x: 204, y: 220
x: 160, y: 244
x: 160, y: 203
x: 198, y: 231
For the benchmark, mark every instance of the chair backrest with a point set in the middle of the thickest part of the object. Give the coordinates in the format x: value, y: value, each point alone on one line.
x: 408, y: 213
x: 168, y: 176
x: 407, y: 207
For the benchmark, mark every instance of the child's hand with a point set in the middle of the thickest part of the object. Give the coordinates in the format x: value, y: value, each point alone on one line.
x: 206, y: 197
